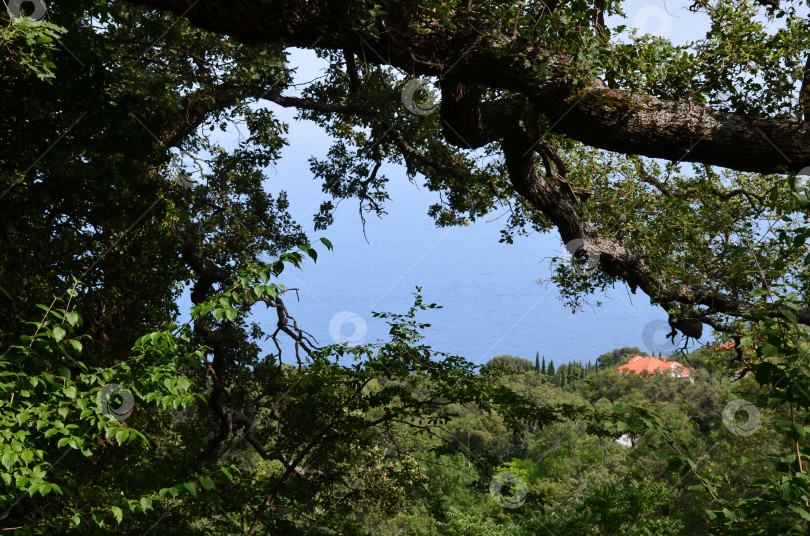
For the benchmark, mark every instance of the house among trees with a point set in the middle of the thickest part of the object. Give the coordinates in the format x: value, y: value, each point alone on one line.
x: 652, y: 365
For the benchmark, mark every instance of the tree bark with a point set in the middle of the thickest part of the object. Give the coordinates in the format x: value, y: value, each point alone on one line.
x: 611, y: 119
x: 467, y: 65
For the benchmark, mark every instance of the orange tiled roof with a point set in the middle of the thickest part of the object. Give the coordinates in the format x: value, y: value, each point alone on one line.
x: 652, y: 365
x: 730, y: 345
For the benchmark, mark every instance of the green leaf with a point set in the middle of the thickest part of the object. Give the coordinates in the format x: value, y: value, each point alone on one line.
x: 801, y: 511
x: 59, y: 333
x: 9, y: 460
x: 72, y: 318
x: 769, y: 350
x: 122, y: 436
x: 206, y: 483
x: 191, y: 487
x: 306, y: 248
x: 117, y: 514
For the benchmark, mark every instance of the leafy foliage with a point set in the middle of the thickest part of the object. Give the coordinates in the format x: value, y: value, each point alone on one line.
x: 117, y: 195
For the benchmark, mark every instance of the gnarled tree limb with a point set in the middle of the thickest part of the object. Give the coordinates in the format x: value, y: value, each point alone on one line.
x: 612, y: 119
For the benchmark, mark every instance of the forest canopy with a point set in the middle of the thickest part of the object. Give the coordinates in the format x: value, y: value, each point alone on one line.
x: 676, y: 170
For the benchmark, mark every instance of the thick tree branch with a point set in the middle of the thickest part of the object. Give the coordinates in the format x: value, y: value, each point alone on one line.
x: 208, y: 273
x: 199, y: 104
x: 316, y: 106
x: 351, y: 70
x: 804, y: 92
x: 615, y: 259
x: 599, y: 17
x: 613, y: 119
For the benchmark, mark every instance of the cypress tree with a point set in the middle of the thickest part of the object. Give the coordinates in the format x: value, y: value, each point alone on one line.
x: 551, y: 368
x: 543, y: 366
x: 537, y: 363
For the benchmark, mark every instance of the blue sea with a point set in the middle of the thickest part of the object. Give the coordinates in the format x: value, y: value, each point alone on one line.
x: 492, y: 301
